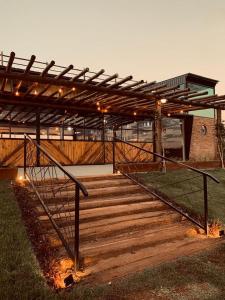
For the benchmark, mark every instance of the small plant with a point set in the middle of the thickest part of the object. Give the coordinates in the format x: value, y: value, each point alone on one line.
x: 215, y: 227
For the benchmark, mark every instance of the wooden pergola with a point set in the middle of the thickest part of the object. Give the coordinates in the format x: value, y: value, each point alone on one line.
x: 37, y: 94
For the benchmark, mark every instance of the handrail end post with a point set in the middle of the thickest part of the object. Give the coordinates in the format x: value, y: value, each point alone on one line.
x: 25, y: 157
x: 206, y: 225
x: 76, y: 228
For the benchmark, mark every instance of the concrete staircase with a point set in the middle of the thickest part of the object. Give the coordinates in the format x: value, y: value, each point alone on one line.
x: 122, y: 228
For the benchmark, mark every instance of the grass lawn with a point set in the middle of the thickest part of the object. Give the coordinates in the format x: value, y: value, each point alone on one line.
x: 198, y: 277
x: 179, y: 185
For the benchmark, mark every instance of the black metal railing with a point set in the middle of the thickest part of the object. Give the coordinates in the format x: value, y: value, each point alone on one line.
x: 58, y: 193
x: 182, y: 187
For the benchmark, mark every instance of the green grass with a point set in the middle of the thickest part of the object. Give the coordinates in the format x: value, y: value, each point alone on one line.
x: 198, y: 277
x: 173, y: 184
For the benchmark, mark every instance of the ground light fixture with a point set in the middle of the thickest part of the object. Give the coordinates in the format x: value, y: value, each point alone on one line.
x: 69, y: 281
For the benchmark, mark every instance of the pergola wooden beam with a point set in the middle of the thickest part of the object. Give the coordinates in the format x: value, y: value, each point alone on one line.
x: 94, y: 76
x: 114, y: 76
x: 47, y: 68
x: 66, y: 70
x: 8, y: 68
x: 83, y: 72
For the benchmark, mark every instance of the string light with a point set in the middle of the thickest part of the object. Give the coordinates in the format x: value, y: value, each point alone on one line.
x: 60, y: 90
x: 73, y: 89
x: 135, y: 113
x: 163, y: 101
x: 181, y: 111
x: 17, y: 93
x: 98, y: 108
x: 97, y: 103
x: 168, y: 114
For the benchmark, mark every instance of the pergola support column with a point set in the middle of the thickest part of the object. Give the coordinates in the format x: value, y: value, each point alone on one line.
x: 158, y: 130
x: 38, y: 137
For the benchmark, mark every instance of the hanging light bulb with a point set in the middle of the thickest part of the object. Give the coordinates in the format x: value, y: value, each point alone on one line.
x: 69, y: 128
x: 168, y: 114
x: 135, y: 113
x: 163, y: 101
x: 181, y: 111
x: 17, y: 93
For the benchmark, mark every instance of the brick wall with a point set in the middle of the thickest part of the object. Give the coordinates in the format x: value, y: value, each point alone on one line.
x: 203, y: 146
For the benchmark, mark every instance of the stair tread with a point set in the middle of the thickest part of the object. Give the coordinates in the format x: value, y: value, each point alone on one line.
x: 117, y: 227
x: 99, y: 202
x: 127, y: 263
x: 105, y: 211
x: 149, y: 235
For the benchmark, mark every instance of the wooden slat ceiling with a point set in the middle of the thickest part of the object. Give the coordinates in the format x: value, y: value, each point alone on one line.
x: 67, y: 94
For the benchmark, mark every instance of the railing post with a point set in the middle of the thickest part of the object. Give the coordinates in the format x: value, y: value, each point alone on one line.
x: 205, y: 203
x: 77, y: 227
x: 25, y: 157
x: 114, y: 162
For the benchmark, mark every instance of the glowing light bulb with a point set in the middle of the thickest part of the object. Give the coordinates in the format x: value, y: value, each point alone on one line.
x: 163, y: 101
x: 17, y: 93
x: 181, y: 111
x: 69, y: 128
x: 135, y: 113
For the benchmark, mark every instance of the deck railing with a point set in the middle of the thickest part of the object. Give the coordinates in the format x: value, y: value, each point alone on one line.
x: 182, y: 190
x: 58, y: 193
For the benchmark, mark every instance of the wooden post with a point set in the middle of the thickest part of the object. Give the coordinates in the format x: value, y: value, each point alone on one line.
x: 218, y: 122
x: 103, y: 139
x: 158, y: 130
x: 114, y: 142
x: 183, y: 141
x: 38, y: 131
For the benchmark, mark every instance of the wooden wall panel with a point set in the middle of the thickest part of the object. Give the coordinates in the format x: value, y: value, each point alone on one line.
x: 127, y: 153
x: 11, y: 152
x: 72, y: 152
x: 75, y: 152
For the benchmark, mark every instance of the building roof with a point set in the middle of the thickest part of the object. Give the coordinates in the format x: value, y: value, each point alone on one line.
x: 190, y: 77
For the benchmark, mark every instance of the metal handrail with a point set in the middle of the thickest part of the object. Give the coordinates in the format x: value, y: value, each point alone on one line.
x: 68, y: 174
x: 171, y: 160
x: 78, y: 186
x: 205, y: 175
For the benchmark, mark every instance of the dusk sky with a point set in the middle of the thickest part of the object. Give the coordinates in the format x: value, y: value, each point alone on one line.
x: 151, y: 40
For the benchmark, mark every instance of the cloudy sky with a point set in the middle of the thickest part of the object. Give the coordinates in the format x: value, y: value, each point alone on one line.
x: 149, y: 39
